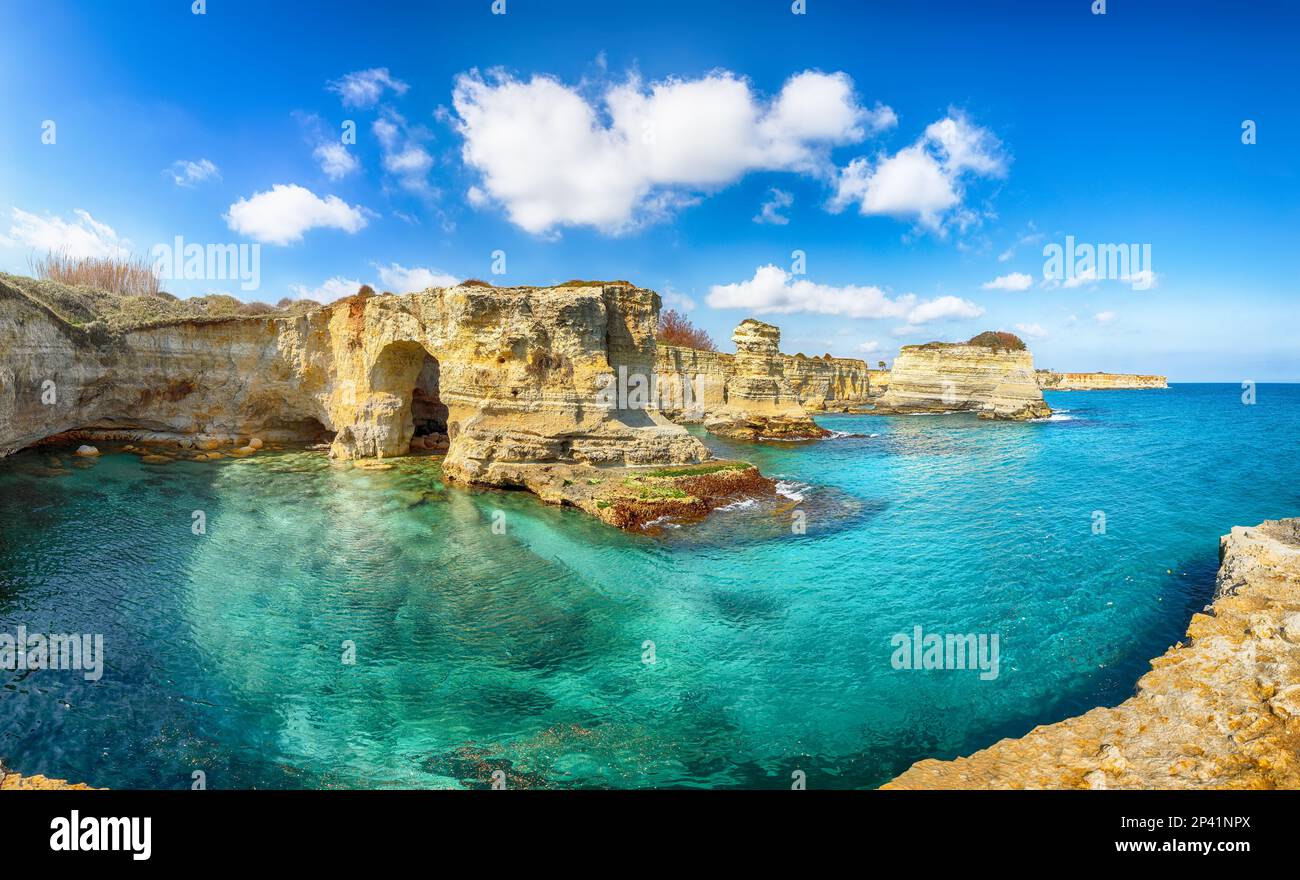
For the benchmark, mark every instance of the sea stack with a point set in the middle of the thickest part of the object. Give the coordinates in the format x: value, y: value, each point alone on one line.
x: 992, y: 375
x: 760, y: 402
x: 697, y: 386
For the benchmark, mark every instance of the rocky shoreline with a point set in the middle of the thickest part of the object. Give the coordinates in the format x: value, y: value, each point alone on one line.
x: 15, y: 782
x: 508, y: 381
x: 1220, y: 710
x: 520, y: 387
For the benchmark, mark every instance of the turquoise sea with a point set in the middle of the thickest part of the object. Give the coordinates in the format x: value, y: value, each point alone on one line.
x: 527, y: 652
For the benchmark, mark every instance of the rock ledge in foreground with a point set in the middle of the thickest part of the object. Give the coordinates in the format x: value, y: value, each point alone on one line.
x: 1219, y: 711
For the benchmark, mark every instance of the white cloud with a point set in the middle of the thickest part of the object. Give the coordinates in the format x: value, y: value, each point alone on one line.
x: 404, y: 157
x: 963, y: 146
x: 399, y: 279
x: 1090, y: 276
x: 1033, y: 331
x: 941, y: 308
x: 284, y: 212
x: 335, y: 159
x: 83, y: 237
x: 364, y: 88
x: 777, y: 200
x: 679, y: 301
x: 1031, y: 237
x: 868, y: 347
x: 1104, y: 317
x: 387, y: 131
x: 550, y: 158
x: 772, y: 290
x: 185, y: 172
x: 1087, y: 276
x: 924, y: 181
x: 1144, y: 280
x: 329, y: 290
x: 1014, y: 281
x: 414, y: 160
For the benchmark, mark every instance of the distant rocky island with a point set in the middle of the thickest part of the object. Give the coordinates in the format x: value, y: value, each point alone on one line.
x: 1050, y: 380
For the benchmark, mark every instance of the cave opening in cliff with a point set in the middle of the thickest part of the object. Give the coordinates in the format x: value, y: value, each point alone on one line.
x: 410, y: 373
x: 428, y: 411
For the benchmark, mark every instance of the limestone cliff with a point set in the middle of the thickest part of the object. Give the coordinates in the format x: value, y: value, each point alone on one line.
x: 511, y: 376
x: 995, y: 382
x: 828, y: 384
x: 1050, y: 380
x: 691, y: 382
x: 758, y: 392
x: 877, y: 383
x: 1220, y: 711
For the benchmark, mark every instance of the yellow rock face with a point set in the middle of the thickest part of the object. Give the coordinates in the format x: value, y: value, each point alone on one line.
x: 1221, y: 710
x: 942, y: 377
x: 511, y: 376
x: 1050, y: 380
x: 757, y: 392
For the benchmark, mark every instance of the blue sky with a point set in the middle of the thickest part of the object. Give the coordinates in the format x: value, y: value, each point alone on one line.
x: 916, y: 153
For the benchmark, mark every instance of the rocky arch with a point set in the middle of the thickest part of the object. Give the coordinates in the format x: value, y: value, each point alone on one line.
x: 402, y: 400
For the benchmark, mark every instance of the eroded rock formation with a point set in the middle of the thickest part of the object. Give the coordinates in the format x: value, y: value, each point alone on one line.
x: 1050, y: 380
x: 1220, y: 711
x: 757, y: 393
x: 513, y: 375
x: 827, y: 384
x: 877, y: 382
x: 996, y: 383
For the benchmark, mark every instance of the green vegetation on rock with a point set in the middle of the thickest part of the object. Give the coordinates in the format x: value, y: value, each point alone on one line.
x: 699, y: 470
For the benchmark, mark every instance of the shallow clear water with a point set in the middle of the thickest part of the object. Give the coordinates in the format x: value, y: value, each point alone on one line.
x: 523, y: 652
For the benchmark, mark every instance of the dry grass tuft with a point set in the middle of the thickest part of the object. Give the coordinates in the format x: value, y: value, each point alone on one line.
x: 130, y: 276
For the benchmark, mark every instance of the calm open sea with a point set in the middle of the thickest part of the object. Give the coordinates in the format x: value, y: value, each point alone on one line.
x: 527, y: 652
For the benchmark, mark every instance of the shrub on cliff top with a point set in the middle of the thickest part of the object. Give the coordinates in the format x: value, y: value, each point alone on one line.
x: 998, y: 340
x: 676, y: 329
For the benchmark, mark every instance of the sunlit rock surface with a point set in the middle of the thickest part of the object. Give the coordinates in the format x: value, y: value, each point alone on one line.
x: 939, y: 377
x: 14, y: 782
x: 1050, y: 380
x: 510, y: 377
x: 757, y: 393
